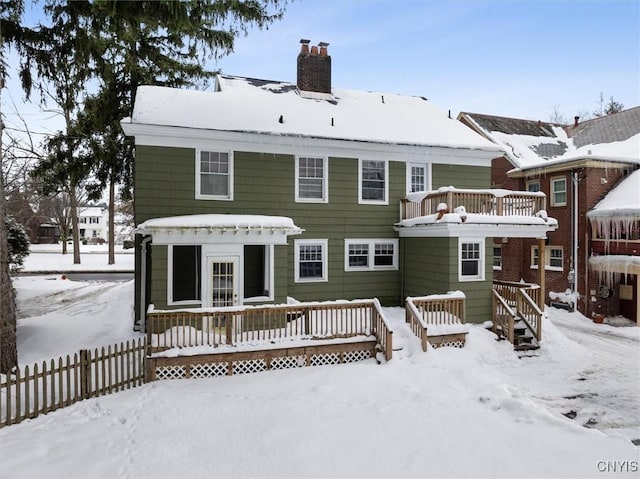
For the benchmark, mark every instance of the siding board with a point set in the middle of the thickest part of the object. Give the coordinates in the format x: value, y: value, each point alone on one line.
x: 264, y: 184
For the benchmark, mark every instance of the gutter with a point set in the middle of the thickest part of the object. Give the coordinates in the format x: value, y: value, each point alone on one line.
x: 143, y: 283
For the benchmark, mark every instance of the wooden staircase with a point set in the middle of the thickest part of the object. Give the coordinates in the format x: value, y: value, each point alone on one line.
x: 516, y: 314
x: 523, y: 340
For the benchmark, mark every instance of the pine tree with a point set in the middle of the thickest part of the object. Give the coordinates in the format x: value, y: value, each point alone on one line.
x: 10, y: 13
x: 613, y: 107
x: 160, y: 43
x: 56, y: 61
x: 18, y: 244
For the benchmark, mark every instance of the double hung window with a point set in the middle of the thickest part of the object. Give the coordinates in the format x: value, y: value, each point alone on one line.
x: 553, y: 260
x: 373, y: 185
x: 558, y: 191
x: 214, y: 175
x: 311, y: 179
x: 310, y: 261
x: 471, y: 260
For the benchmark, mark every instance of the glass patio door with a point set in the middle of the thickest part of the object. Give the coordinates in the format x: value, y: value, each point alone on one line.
x: 224, y: 281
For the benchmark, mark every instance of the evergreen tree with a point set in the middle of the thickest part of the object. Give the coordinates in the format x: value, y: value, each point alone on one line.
x: 604, y: 109
x: 10, y: 13
x: 56, y: 61
x: 160, y: 43
x: 613, y: 107
x: 18, y: 243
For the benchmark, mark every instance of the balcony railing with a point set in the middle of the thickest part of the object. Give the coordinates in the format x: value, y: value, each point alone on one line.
x: 483, y: 202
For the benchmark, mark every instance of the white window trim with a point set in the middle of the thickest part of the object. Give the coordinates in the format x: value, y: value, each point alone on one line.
x: 553, y: 191
x: 385, y: 201
x: 498, y: 268
x: 325, y: 180
x: 482, y: 259
x: 371, y: 251
x: 200, y: 196
x: 170, y: 301
x: 547, y: 258
x: 427, y: 172
x: 324, y: 243
x: 533, y: 182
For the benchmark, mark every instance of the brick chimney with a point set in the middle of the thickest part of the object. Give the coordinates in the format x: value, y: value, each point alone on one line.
x: 314, y: 68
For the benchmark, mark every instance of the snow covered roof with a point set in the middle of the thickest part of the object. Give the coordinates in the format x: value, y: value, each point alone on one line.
x: 609, y: 265
x: 533, y: 144
x: 241, y: 104
x: 623, y: 201
x: 219, y: 221
x: 218, y: 228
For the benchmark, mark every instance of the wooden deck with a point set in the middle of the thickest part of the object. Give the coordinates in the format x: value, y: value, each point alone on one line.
x: 484, y: 202
x: 225, y: 341
x: 438, y: 320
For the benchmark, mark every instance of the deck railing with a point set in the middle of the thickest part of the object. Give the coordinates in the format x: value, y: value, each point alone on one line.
x: 256, y: 325
x: 483, y: 202
x: 438, y: 313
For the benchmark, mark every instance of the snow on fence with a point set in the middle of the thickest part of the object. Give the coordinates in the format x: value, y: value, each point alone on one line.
x: 264, y: 325
x: 484, y: 202
x: 438, y: 319
x: 59, y: 383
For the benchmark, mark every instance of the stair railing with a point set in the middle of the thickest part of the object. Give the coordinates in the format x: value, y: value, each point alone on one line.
x: 529, y: 312
x: 503, y: 317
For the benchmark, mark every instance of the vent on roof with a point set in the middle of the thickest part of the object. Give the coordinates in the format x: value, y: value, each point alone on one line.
x: 314, y: 68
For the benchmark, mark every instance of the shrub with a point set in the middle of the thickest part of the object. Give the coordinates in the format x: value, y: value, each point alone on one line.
x: 18, y: 243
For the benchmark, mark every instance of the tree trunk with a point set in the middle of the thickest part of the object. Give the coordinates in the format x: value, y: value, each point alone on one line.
x: 74, y: 225
x: 112, y: 236
x: 63, y: 237
x: 8, y: 315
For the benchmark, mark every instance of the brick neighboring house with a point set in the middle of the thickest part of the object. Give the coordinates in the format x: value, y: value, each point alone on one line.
x: 575, y: 166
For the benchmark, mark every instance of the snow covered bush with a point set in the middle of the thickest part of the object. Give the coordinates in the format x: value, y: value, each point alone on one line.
x: 18, y: 243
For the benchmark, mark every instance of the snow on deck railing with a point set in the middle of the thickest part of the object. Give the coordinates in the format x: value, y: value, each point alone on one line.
x: 494, y: 202
x: 268, y: 324
x: 436, y: 315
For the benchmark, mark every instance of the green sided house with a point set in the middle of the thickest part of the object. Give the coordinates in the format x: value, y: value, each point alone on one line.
x: 257, y: 192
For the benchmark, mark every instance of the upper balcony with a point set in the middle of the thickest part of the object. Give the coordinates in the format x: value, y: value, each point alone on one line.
x: 449, y: 211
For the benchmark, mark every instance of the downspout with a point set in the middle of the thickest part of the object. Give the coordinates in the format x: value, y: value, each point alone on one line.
x: 143, y: 283
x: 573, y: 278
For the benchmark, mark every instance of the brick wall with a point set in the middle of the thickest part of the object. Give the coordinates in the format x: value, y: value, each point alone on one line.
x: 516, y: 253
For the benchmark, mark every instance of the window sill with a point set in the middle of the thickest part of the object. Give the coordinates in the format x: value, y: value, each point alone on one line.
x: 184, y: 303
x: 213, y: 198
x: 549, y: 268
x: 312, y: 200
x: 379, y: 268
x: 468, y: 280
x: 311, y: 280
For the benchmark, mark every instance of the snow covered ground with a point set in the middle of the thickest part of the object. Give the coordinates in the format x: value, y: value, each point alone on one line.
x: 47, y: 258
x: 482, y: 411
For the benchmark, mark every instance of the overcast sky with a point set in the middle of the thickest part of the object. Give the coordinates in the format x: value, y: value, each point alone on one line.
x: 514, y: 58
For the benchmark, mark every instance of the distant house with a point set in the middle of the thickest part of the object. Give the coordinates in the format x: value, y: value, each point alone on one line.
x: 259, y: 191
x: 577, y: 167
x: 93, y: 223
